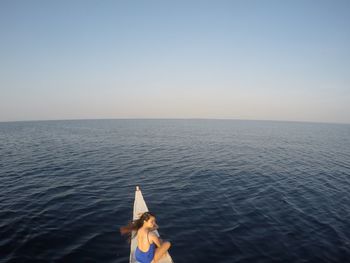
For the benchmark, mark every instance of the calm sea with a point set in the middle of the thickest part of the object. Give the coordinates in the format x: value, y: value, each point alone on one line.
x: 223, y: 190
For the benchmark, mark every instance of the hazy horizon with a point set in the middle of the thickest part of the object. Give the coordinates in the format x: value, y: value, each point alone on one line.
x: 180, y: 119
x: 245, y: 60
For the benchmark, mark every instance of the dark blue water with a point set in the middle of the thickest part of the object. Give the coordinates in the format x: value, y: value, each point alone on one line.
x: 222, y: 190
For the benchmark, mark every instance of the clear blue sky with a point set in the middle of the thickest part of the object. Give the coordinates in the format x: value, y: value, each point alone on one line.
x: 276, y: 60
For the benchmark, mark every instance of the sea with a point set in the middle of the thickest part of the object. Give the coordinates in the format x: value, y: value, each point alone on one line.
x: 222, y: 190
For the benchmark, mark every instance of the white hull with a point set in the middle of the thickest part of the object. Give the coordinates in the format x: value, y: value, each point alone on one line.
x: 141, y: 207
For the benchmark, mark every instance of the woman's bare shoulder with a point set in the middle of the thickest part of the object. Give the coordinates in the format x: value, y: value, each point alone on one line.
x: 154, y: 238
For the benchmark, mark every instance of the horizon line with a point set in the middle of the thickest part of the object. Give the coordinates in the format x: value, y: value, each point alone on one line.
x: 155, y: 118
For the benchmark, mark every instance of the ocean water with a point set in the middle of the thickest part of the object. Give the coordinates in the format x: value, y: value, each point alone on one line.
x: 222, y: 190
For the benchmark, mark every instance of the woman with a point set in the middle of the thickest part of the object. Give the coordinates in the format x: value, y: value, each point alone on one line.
x: 146, y: 250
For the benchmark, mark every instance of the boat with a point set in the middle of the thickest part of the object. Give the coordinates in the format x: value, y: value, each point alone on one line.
x: 139, y: 208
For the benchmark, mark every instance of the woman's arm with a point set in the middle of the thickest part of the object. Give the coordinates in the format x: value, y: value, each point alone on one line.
x: 156, y: 239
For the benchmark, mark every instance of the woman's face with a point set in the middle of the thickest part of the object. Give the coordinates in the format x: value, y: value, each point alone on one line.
x: 151, y: 222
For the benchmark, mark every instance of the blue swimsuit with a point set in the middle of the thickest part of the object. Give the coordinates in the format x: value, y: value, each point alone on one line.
x: 145, y: 257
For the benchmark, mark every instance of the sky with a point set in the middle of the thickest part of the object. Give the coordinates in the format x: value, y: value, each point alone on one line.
x: 258, y: 60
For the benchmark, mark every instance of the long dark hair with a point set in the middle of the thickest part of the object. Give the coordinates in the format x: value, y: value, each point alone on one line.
x: 135, y: 225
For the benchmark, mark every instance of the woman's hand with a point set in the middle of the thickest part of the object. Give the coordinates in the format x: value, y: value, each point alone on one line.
x: 155, y: 227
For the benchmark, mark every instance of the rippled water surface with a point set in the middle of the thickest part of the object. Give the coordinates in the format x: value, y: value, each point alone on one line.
x: 222, y: 190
